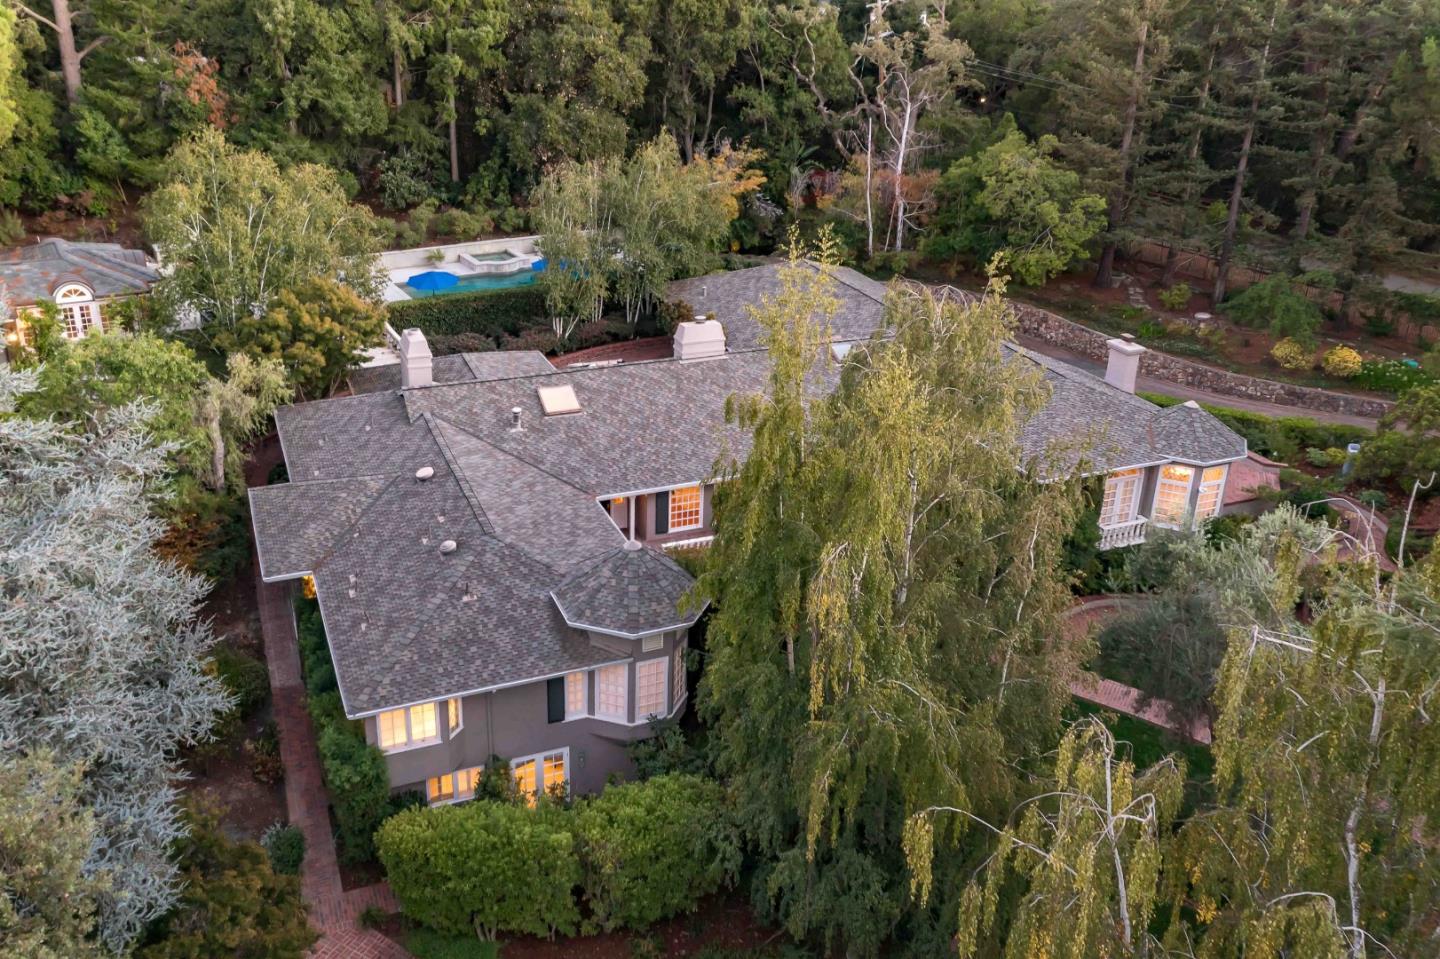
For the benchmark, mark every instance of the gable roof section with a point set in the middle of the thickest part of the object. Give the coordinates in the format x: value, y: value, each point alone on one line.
x: 32, y: 273
x: 297, y: 523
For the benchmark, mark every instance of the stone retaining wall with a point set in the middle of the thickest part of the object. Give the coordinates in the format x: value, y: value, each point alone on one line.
x: 1059, y: 331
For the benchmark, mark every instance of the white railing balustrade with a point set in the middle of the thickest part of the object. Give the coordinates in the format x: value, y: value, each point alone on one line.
x: 1123, y: 534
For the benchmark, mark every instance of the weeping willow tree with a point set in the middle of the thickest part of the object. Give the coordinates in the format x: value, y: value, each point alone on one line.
x: 887, y: 596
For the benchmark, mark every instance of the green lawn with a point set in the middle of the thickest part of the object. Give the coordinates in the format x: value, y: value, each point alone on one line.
x: 428, y: 944
x: 1150, y: 744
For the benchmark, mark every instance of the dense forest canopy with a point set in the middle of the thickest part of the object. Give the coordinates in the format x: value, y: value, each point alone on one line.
x: 1298, y: 135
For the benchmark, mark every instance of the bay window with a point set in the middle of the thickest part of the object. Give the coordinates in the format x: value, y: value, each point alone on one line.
x: 399, y: 729
x: 650, y: 688
x: 612, y: 693
x: 1212, y: 485
x: 677, y: 681
x: 1172, y: 494
x: 684, y: 508
x: 577, y: 699
x: 454, y: 716
x: 1122, y: 497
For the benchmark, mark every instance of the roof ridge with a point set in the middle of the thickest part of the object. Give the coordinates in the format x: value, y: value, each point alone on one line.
x: 504, y: 452
x: 471, y: 497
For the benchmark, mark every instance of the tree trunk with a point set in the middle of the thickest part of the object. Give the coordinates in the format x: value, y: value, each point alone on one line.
x: 454, y: 127
x: 397, y: 71
x: 1104, y: 275
x: 1188, y: 197
x: 69, y: 57
x: 1237, y: 189
x: 869, y: 190
x: 900, y: 179
x: 217, y: 449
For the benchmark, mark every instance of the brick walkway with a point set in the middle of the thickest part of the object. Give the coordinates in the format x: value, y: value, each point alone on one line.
x: 333, y: 911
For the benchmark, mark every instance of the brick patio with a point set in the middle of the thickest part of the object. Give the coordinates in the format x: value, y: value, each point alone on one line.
x: 333, y: 911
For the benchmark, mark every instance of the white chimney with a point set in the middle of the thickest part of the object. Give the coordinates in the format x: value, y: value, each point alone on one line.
x: 700, y: 339
x: 1124, y: 364
x: 415, y: 360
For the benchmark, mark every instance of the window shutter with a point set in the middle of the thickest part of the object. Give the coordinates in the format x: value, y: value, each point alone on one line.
x: 555, y: 699
x: 662, y: 513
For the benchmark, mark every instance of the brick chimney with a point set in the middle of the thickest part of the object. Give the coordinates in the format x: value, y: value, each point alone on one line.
x: 1124, y: 364
x: 415, y: 360
x: 701, y: 339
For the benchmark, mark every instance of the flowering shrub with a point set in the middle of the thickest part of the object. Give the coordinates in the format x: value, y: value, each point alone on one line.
x: 1341, y: 361
x: 1291, y: 354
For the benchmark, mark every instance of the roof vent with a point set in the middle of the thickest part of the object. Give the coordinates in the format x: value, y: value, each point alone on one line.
x: 515, y: 413
x: 448, y: 546
x: 424, y: 473
x: 557, y: 400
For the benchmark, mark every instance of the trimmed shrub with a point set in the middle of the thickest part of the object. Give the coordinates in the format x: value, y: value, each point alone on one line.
x: 1391, y: 376
x: 1291, y: 354
x: 1333, y: 456
x: 484, y: 868
x: 650, y: 850
x: 285, y: 845
x: 264, y: 752
x: 1176, y: 297
x: 1341, y: 361
x: 492, y: 313
x: 359, y: 787
x: 243, y: 677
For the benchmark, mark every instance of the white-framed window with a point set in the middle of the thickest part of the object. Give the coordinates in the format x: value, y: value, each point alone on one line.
x: 577, y: 698
x: 677, y: 679
x: 542, y: 771
x: 612, y: 693
x: 79, y: 314
x: 652, y: 643
x: 1212, y: 485
x: 453, y: 787
x: 685, y: 508
x: 1122, y: 497
x: 650, y: 688
x: 454, y: 715
x: 1172, y: 494
x: 406, y: 728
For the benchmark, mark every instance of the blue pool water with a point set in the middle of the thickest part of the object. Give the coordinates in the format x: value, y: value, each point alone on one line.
x: 469, y: 284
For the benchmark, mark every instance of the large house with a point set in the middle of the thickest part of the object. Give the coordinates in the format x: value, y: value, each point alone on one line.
x: 82, y: 279
x: 489, y: 537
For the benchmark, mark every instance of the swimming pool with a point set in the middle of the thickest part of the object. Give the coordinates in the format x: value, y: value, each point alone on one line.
x: 469, y: 284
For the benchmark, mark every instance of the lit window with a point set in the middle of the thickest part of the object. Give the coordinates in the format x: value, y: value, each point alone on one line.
x: 611, y: 695
x: 1122, y: 493
x: 650, y: 688
x: 1172, y: 494
x: 677, y: 681
x: 466, y: 781
x: 554, y: 773
x: 454, y: 716
x: 652, y: 643
x: 74, y: 322
x: 401, y: 728
x: 441, y: 788
x: 685, y: 508
x: 576, y: 697
x: 524, y: 773
x: 1212, y: 485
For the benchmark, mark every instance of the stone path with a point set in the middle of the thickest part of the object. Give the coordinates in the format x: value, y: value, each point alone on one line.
x: 333, y: 911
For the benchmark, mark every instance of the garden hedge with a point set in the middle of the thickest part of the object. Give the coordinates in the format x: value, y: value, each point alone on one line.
x: 484, y: 868
x: 652, y: 849
x: 1284, y: 437
x: 489, y: 313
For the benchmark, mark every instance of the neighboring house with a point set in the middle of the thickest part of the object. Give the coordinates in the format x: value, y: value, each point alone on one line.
x: 82, y: 279
x: 488, y: 535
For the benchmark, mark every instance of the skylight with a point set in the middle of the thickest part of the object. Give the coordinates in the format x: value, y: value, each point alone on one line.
x: 555, y: 400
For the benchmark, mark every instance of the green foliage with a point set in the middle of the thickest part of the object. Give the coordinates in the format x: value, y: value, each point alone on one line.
x: 48, y: 909
x: 484, y: 867
x: 425, y: 943
x: 359, y: 785
x: 404, y: 180
x: 318, y: 331
x: 489, y: 313
x: 285, y: 845
x: 667, y: 749
x: 232, y: 904
x: 1277, y: 304
x: 652, y: 849
x: 1326, y: 457
x: 12, y: 228
x: 1014, y: 199
x: 237, y: 229
x: 1392, y: 376
x: 1405, y: 448
x: 1176, y: 297
x: 244, y: 677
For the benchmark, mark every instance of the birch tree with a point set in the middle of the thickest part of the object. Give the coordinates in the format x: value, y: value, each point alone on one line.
x: 233, y: 230
x: 102, y: 658
x: 886, y: 595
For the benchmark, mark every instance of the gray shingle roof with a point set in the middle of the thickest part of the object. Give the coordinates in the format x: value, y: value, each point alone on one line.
x: 629, y: 591
x: 456, y: 368
x: 521, y: 504
x: 34, y: 272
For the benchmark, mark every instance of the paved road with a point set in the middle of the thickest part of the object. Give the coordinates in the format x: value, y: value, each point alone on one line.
x: 1150, y: 384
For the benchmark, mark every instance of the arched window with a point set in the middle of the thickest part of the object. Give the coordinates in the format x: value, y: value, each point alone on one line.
x: 79, y: 312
